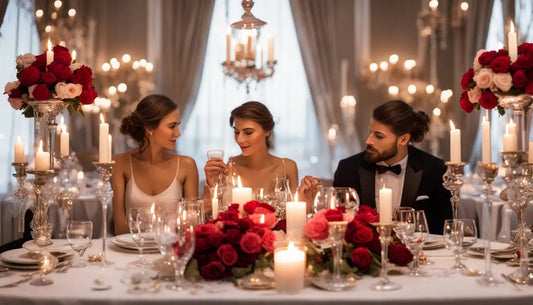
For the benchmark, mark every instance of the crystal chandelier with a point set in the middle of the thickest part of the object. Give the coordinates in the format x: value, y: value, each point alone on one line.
x: 244, y: 52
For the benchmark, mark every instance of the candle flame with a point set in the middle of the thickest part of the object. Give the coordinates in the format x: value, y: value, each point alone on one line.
x: 40, y: 146
x: 452, y: 126
x: 102, y: 118
x: 291, y: 246
x: 262, y: 220
x: 19, y: 139
x: 296, y: 196
x: 239, y: 183
x: 74, y: 55
x: 80, y: 175
x: 152, y: 208
x: 49, y: 45
x: 332, y: 202
x: 63, y: 128
x: 512, y: 27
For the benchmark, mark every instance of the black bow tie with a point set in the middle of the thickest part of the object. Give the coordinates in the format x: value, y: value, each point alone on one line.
x: 397, y: 169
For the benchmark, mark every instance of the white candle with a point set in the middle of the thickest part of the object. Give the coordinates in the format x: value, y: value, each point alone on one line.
x: 239, y: 51
x: 64, y: 141
x: 485, y: 141
x: 109, y: 147
x: 512, y: 43
x: 530, y: 153
x: 103, y: 140
x: 509, y: 140
x: 214, y: 202
x: 20, y: 157
x: 270, y: 49
x: 249, y: 45
x: 228, y: 44
x: 289, y: 269
x: 49, y: 54
x: 259, y: 57
x: 241, y: 195
x: 296, y: 217
x: 512, y: 127
x: 73, y: 55
x: 42, y: 159
x: 455, y: 144
x: 385, y: 205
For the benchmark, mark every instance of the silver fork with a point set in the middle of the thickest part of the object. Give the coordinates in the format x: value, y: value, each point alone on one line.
x: 16, y: 283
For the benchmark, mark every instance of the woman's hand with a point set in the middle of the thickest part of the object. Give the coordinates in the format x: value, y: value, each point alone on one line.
x: 212, y: 169
x: 308, y: 187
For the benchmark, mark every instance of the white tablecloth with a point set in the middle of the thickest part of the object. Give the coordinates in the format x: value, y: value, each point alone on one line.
x: 74, y: 287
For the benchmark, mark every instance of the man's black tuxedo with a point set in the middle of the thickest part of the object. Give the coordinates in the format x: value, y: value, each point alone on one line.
x: 422, y: 188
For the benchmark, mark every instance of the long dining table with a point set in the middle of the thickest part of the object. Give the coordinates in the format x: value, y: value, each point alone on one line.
x: 440, y: 286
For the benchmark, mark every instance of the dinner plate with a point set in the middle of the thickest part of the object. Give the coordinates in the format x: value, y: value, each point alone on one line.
x: 133, y: 248
x: 12, y: 266
x: 58, y: 245
x: 127, y: 240
x: 20, y: 256
x: 433, y: 244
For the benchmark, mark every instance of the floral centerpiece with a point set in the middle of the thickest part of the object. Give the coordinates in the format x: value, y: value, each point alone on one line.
x: 230, y: 247
x: 493, y: 74
x: 362, y: 253
x: 42, y: 77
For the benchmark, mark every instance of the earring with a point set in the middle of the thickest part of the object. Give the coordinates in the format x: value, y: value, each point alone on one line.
x: 150, y: 133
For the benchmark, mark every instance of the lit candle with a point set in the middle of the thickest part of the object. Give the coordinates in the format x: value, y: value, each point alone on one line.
x: 241, y: 195
x: 270, y: 48
x: 214, y: 202
x: 249, y: 54
x: 512, y: 43
x: 509, y: 140
x: 64, y: 141
x: 239, y: 51
x: 455, y: 144
x: 259, y: 57
x: 289, y: 269
x: 74, y: 55
x: 20, y: 157
x: 485, y: 141
x: 42, y: 159
x: 530, y: 153
x: 103, y: 140
x: 49, y: 54
x: 385, y: 205
x: 296, y: 216
x: 109, y: 147
x: 228, y: 44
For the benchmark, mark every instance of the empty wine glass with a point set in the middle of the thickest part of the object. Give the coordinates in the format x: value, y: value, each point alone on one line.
x: 175, y: 233
x: 405, y: 222
x: 282, y: 194
x: 196, y: 207
x: 79, y: 236
x: 140, y: 223
x: 346, y: 197
x: 46, y: 264
x: 469, y: 234
x: 453, y: 240
x: 416, y: 239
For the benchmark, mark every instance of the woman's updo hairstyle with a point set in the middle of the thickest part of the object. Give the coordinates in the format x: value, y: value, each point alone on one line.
x: 403, y: 119
x: 258, y: 113
x: 148, y: 114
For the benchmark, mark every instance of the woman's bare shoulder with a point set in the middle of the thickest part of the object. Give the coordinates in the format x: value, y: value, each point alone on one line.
x: 186, y: 160
x: 122, y: 159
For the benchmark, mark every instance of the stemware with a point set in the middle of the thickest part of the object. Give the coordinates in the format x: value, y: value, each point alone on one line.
x: 282, y: 194
x: 459, y: 235
x: 196, y: 207
x: 140, y: 223
x: 217, y: 154
x: 46, y: 264
x: 416, y: 239
x: 79, y: 236
x: 346, y: 197
x: 405, y: 222
x: 175, y: 234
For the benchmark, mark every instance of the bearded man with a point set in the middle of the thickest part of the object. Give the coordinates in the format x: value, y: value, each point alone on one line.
x: 414, y: 176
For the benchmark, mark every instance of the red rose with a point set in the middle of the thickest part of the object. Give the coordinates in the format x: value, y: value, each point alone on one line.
x: 367, y: 214
x: 204, y: 230
x: 503, y: 52
x: 88, y: 95
x: 245, y: 259
x: 488, y: 100
x: 467, y: 78
x: 500, y: 64
x: 245, y: 224
x: 267, y: 240
x: 212, y: 271
x: 399, y: 254
x: 529, y: 88
x: 465, y: 103
x: 251, y: 242
x: 215, y: 240
x: 358, y: 234
x: 40, y: 92
x: 230, y: 214
x: 61, y: 71
x: 15, y: 93
x: 29, y: 76
x: 519, y: 79
x: 361, y: 258
x: 48, y: 78
x: 281, y: 226
x: 317, y: 228
x: 206, y: 257
x: 375, y: 245
x: 40, y: 62
x: 83, y: 76
x: 486, y: 58
x: 525, y: 48
x: 333, y: 215
x: 233, y: 236
x: 250, y: 206
x: 524, y: 61
x: 61, y: 55
x: 227, y: 255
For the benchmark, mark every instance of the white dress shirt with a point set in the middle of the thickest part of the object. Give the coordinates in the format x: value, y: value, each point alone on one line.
x: 392, y: 181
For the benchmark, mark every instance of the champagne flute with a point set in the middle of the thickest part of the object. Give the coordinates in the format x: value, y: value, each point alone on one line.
x: 416, y: 240
x: 79, y: 236
x: 140, y: 223
x: 453, y: 240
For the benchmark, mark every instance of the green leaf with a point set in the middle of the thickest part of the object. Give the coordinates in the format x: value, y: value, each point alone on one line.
x: 240, y: 272
x: 191, y: 271
x: 347, y: 269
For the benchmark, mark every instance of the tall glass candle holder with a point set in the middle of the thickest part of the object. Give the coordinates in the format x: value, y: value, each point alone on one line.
x: 67, y: 191
x: 41, y: 229
x: 104, y: 194
x: 452, y: 181
x: 384, y: 231
x: 21, y: 193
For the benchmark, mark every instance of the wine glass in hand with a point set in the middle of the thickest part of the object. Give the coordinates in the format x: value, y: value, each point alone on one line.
x: 79, y: 236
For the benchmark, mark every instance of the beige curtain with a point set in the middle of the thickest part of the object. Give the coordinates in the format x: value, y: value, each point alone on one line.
x: 315, y: 23
x: 183, y: 40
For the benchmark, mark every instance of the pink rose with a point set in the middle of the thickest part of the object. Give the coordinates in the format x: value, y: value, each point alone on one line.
x: 10, y: 86
x: 16, y: 103
x: 68, y: 91
x: 265, y: 219
x: 503, y: 81
x: 267, y: 240
x: 227, y: 254
x: 317, y: 228
x: 483, y: 78
x: 251, y: 242
x: 25, y: 60
x: 474, y: 94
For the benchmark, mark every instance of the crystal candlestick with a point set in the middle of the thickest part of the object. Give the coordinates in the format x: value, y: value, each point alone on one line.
x: 384, y: 231
x: 41, y: 229
x: 487, y: 172
x: 21, y: 193
x: 104, y: 194
x: 452, y: 181
x: 67, y: 191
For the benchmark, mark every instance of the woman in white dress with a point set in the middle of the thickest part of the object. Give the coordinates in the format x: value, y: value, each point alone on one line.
x: 151, y: 173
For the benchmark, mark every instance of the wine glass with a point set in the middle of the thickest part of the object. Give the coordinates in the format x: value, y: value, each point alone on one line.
x: 216, y: 154
x: 140, y: 223
x: 175, y: 233
x: 416, y: 239
x: 79, y: 236
x: 346, y: 197
x: 282, y: 194
x: 469, y: 234
x: 453, y: 240
x: 46, y: 264
x: 405, y: 220
x: 195, y: 207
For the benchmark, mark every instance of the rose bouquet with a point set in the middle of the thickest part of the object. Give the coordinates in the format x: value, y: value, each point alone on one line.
x: 362, y: 253
x: 230, y: 247
x: 493, y: 74
x: 38, y: 79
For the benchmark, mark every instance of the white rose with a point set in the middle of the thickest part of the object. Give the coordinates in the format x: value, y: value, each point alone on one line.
x: 474, y: 94
x: 65, y: 91
x: 503, y: 81
x: 16, y: 103
x: 75, y: 66
x: 477, y: 65
x: 30, y: 91
x: 10, y: 86
x: 483, y: 78
x: 25, y: 60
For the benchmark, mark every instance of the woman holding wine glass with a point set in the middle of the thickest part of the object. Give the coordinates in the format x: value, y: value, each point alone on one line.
x: 152, y: 172
x: 253, y: 126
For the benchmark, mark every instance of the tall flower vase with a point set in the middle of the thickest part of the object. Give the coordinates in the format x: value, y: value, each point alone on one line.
x: 41, y: 229
x: 104, y: 194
